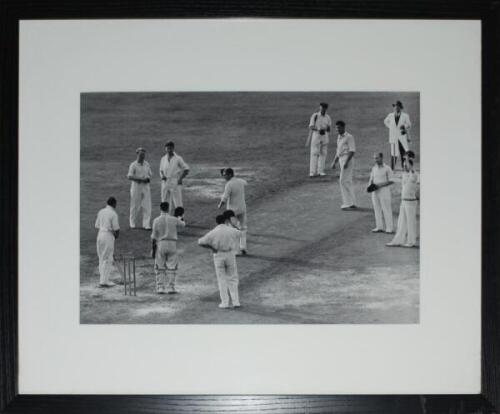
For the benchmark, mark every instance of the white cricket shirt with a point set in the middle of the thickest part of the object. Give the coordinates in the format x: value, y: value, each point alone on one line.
x: 138, y: 170
x: 222, y: 238
x: 107, y: 220
x: 165, y: 227
x: 234, y: 195
x: 172, y: 168
x: 345, y: 144
x: 410, y: 182
x: 382, y: 174
x: 320, y: 122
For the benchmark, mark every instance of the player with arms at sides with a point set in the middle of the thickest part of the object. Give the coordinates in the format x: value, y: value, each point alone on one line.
x: 139, y: 173
x: 346, y: 148
x: 406, y: 234
x: 233, y: 198
x: 109, y: 229
x: 319, y: 130
x: 399, y: 126
x: 173, y: 170
x: 381, y: 178
x: 164, y: 243
x: 223, y: 241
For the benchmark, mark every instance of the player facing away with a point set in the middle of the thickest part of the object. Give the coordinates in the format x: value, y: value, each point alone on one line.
x: 223, y: 241
x: 319, y: 130
x: 346, y: 147
x: 140, y: 174
x: 234, y: 199
x: 109, y: 229
x: 164, y: 242
x: 406, y: 234
x: 399, y: 126
x: 173, y: 170
x: 381, y: 178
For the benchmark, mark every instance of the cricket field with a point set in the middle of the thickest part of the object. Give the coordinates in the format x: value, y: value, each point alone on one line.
x: 309, y: 261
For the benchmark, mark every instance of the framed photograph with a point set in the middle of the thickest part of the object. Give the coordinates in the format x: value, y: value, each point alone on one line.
x: 249, y: 207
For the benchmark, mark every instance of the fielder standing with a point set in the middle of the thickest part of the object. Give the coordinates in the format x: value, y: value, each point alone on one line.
x: 319, y: 129
x: 173, y: 170
x: 234, y: 199
x: 406, y: 234
x: 107, y: 223
x: 139, y: 173
x: 164, y: 240
x: 346, y: 147
x: 399, y: 125
x: 223, y: 241
x: 381, y: 178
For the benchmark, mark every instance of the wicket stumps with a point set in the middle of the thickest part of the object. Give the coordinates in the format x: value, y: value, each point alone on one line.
x: 129, y: 281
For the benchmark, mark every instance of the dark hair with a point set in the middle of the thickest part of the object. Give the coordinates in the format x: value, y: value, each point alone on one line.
x: 164, y: 206
x: 380, y: 154
x: 179, y: 211
x: 323, y: 104
x: 340, y: 123
x: 111, y: 202
x: 228, y: 214
x: 229, y: 171
x: 220, y: 219
x: 170, y: 144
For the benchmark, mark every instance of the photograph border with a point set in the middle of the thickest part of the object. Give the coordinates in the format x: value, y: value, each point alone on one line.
x: 12, y: 11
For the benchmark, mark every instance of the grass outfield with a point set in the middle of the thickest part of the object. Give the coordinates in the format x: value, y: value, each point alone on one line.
x: 262, y: 135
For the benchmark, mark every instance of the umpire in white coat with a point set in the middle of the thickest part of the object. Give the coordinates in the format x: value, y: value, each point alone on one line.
x: 399, y: 125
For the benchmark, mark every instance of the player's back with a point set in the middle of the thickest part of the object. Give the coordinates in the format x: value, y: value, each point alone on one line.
x: 107, y: 219
x: 165, y: 227
x: 236, y: 195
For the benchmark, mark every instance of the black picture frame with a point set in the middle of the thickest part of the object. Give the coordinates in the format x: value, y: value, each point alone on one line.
x: 12, y: 11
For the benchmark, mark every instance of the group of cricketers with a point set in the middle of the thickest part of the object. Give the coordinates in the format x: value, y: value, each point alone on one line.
x: 381, y: 176
x: 228, y: 238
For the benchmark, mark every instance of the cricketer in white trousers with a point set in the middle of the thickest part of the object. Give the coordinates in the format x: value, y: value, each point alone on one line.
x: 406, y: 234
x: 140, y: 194
x: 105, y: 250
x: 166, y: 264
x: 224, y: 240
x: 171, y: 192
x: 171, y: 169
x: 319, y: 149
x: 107, y: 223
x: 227, y: 277
x: 319, y: 143
x: 234, y: 196
x: 346, y: 184
x: 381, y: 200
x: 140, y: 198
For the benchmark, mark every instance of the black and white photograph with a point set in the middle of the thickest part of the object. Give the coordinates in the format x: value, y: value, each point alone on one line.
x: 285, y: 198
x: 249, y: 207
